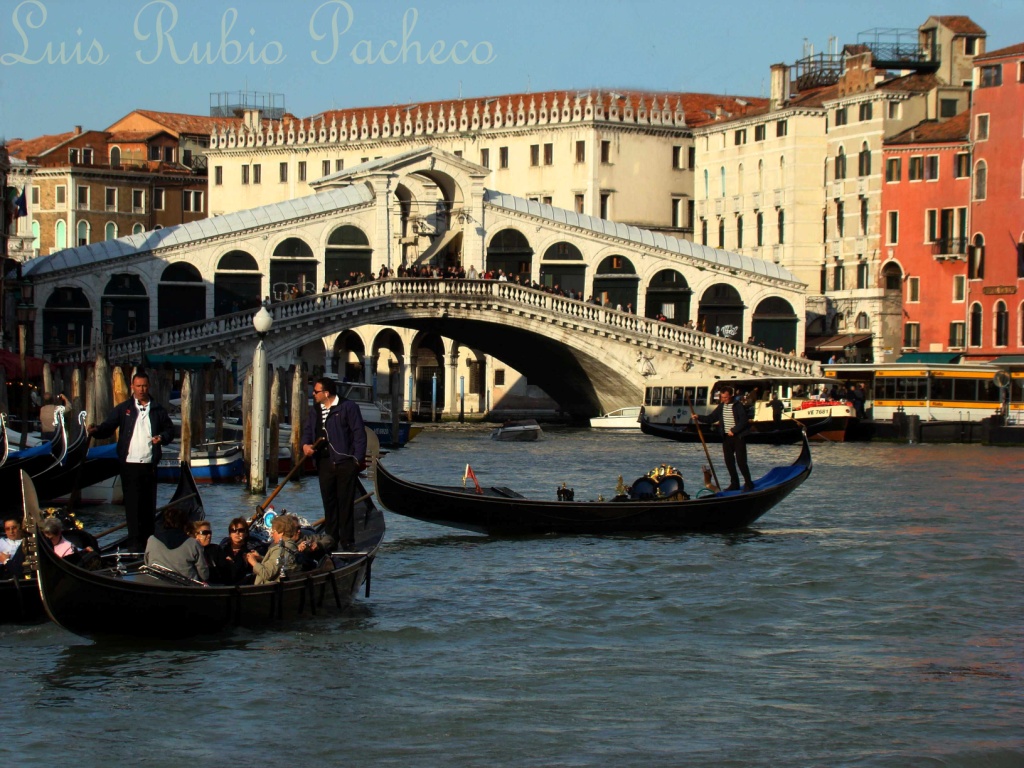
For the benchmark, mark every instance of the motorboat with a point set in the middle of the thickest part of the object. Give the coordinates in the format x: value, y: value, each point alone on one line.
x: 518, y: 431
x: 623, y: 418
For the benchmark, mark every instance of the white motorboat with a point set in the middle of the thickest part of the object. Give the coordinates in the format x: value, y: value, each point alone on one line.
x: 624, y: 418
x: 522, y: 430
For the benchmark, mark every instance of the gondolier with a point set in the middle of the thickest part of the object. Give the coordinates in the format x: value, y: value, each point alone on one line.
x: 734, y: 424
x: 143, y: 429
x: 339, y: 458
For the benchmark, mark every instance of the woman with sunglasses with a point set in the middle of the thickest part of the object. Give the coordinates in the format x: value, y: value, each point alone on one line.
x: 202, y: 531
x: 234, y: 566
x: 176, y: 548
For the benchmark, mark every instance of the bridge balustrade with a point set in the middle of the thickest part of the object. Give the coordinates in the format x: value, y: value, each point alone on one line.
x: 238, y: 326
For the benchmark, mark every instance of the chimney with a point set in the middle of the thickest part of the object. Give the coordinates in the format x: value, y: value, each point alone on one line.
x: 78, y: 130
x: 780, y: 86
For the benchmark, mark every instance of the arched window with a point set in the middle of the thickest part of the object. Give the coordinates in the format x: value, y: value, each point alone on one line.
x: 60, y: 235
x: 739, y: 232
x: 1002, y: 324
x: 782, y: 226
x: 841, y: 164
x: 83, y: 233
x: 975, y: 340
x: 760, y: 228
x: 115, y: 155
x: 707, y: 190
x: 980, y: 180
x: 722, y: 174
x: 863, y: 323
x: 138, y: 229
x: 110, y: 231
x: 35, y: 235
x: 864, y: 160
x: 976, y: 259
x: 721, y: 233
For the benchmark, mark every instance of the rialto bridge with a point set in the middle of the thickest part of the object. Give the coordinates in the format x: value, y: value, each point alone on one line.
x: 193, y: 288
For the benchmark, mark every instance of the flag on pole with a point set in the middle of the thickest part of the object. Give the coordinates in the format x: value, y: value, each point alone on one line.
x: 469, y: 474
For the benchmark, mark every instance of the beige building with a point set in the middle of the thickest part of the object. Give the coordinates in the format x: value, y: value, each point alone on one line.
x: 800, y: 181
x: 623, y: 156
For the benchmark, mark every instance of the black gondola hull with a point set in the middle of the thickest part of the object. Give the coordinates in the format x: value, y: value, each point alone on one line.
x: 107, y: 603
x: 763, y: 433
x: 501, y: 512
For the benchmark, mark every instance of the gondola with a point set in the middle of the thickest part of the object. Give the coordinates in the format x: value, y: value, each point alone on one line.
x: 130, y: 599
x: 649, y: 505
x: 19, y: 597
x: 761, y: 434
x: 61, y: 479
x: 33, y: 461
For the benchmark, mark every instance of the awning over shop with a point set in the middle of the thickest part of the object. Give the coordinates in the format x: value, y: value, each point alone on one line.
x: 12, y: 366
x: 1008, y: 360
x: 180, y: 362
x: 936, y: 358
x: 837, y: 343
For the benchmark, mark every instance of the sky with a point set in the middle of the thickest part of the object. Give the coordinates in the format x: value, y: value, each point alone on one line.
x: 90, y: 62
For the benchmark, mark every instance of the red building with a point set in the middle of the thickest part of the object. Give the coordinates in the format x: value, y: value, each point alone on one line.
x: 925, y: 231
x: 996, y: 257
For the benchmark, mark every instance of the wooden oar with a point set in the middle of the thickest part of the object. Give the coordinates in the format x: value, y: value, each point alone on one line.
x: 266, y: 503
x: 696, y: 423
x: 159, y: 510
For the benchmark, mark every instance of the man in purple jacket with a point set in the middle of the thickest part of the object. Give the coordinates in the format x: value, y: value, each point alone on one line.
x: 339, y: 458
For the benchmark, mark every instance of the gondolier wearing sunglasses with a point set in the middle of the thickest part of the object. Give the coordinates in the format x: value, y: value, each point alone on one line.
x: 339, y: 458
x: 734, y: 422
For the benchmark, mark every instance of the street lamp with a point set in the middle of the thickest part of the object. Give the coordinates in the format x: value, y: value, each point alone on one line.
x: 26, y: 312
x: 261, y: 322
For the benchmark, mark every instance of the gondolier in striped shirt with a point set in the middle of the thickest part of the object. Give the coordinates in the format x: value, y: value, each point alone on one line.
x: 339, y: 458
x: 732, y: 418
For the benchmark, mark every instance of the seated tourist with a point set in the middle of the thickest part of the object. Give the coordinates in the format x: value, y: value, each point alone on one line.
x: 234, y: 565
x: 10, y: 546
x: 281, y: 556
x: 53, y: 530
x: 174, y: 549
x: 202, y: 532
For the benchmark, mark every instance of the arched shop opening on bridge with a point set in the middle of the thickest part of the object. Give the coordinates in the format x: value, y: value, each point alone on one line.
x: 510, y: 252
x: 292, y: 270
x: 721, y: 312
x: 348, y: 254
x: 774, y: 325
x: 67, y: 320
x: 562, y: 268
x: 616, y: 282
x: 237, y: 283
x: 669, y: 295
x: 129, y: 305
x: 181, y: 296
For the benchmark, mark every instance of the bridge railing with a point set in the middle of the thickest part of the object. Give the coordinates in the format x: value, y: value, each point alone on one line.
x: 238, y: 325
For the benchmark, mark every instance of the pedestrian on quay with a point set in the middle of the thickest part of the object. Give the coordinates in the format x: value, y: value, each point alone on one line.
x: 143, y: 428
x: 339, y: 458
x: 734, y: 423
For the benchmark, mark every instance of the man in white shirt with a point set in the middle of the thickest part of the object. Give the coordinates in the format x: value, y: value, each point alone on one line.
x: 143, y: 427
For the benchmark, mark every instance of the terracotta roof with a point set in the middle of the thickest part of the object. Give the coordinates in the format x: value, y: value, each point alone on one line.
x: 23, y: 149
x: 956, y: 129
x: 1011, y: 50
x: 199, y: 125
x: 698, y: 108
x: 961, y: 25
x: 918, y: 82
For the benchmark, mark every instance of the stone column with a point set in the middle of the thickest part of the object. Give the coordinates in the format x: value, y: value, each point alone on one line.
x: 369, y: 370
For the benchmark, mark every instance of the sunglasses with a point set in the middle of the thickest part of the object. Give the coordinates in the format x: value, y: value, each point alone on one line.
x: 318, y: 391
x: 204, y: 533
x: 238, y: 530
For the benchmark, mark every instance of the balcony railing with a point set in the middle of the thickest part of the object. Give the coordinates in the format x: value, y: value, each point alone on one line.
x: 950, y: 246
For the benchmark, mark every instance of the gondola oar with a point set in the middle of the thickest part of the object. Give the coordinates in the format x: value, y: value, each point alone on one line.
x: 266, y: 503
x: 159, y: 511
x: 696, y: 423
